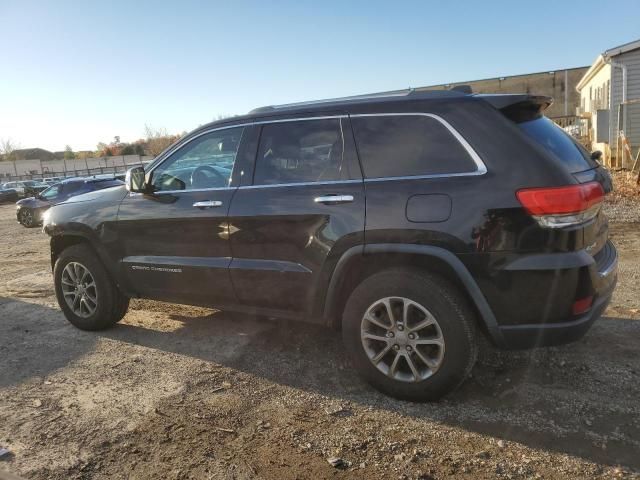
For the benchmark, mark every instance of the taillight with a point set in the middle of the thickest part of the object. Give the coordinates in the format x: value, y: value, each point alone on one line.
x: 557, y: 207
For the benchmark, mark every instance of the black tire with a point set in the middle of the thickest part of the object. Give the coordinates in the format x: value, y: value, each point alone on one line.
x: 27, y: 218
x: 444, y: 301
x: 111, y: 306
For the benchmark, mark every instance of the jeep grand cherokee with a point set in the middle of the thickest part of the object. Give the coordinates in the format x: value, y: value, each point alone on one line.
x: 416, y: 222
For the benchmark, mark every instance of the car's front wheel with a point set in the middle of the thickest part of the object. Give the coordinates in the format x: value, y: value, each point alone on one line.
x: 410, y: 334
x: 87, y: 295
x: 27, y: 218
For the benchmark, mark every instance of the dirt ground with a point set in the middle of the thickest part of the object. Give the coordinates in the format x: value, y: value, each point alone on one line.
x: 181, y: 392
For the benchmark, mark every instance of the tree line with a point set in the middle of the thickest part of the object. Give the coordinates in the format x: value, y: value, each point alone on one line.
x: 155, y: 140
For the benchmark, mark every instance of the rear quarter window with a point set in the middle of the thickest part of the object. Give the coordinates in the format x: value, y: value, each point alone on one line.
x: 556, y: 141
x: 408, y: 145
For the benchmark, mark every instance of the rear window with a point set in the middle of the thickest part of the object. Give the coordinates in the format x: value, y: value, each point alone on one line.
x: 408, y: 145
x: 559, y: 143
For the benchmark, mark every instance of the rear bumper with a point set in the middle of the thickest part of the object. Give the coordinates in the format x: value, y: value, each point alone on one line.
x: 546, y: 335
x: 604, y: 276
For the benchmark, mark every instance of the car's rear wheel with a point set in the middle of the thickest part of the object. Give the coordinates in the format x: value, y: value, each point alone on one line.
x: 87, y: 295
x: 410, y: 334
x: 27, y: 218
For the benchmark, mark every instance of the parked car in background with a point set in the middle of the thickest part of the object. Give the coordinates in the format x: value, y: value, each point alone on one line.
x: 30, y: 210
x: 8, y: 194
x: 52, y: 180
x: 16, y: 186
x: 33, y: 187
x: 26, y: 188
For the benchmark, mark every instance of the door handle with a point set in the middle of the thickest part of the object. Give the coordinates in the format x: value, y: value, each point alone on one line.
x: 333, y: 199
x: 208, y: 204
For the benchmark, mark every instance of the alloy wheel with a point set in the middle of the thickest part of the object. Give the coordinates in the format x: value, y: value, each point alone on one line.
x: 402, y: 339
x: 79, y: 289
x: 27, y: 218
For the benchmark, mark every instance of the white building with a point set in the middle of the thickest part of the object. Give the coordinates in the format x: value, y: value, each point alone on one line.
x: 610, y: 95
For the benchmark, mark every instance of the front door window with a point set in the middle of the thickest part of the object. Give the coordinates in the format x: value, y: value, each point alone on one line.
x: 203, y: 163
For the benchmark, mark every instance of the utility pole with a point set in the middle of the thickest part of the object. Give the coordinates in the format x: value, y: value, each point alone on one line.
x: 566, y: 93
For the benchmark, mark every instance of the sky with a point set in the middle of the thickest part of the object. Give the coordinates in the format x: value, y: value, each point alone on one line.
x: 79, y: 73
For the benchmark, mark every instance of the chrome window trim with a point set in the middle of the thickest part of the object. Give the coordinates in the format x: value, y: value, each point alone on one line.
x: 300, y: 119
x: 212, y: 189
x: 195, y: 190
x: 481, y: 168
x: 475, y: 173
x: 160, y: 161
x: 325, y: 182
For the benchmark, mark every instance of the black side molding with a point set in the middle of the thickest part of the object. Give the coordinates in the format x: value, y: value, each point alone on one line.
x: 486, y: 314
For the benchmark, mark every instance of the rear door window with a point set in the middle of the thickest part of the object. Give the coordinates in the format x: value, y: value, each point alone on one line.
x: 559, y: 143
x: 71, y: 188
x: 51, y: 192
x: 408, y: 145
x: 302, y: 151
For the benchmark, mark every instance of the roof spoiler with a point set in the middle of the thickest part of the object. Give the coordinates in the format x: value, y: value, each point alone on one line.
x: 518, y: 107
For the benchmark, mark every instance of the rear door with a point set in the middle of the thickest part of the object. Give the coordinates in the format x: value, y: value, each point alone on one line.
x: 301, y: 209
x: 175, y: 240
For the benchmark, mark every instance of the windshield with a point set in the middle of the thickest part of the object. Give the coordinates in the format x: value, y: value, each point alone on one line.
x: 556, y: 141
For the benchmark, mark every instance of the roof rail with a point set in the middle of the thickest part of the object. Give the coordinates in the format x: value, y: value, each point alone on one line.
x: 462, y: 89
x: 367, y: 96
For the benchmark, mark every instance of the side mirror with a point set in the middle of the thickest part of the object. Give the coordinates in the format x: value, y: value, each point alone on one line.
x: 135, y: 180
x: 597, y: 155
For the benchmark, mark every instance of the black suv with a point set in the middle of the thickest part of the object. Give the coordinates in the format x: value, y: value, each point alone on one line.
x: 30, y: 211
x: 416, y: 222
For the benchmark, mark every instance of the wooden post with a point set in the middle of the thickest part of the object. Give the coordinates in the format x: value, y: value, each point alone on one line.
x: 626, y: 148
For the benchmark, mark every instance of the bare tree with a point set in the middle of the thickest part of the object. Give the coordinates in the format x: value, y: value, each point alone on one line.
x: 68, y: 153
x: 157, y: 139
x: 7, y: 147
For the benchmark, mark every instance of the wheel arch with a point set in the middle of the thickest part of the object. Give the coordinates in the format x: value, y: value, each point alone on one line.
x: 357, y: 264
x: 62, y: 241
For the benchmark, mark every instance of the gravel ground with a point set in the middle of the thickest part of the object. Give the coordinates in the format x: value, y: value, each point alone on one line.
x: 623, y: 204
x: 624, y: 209
x: 180, y: 392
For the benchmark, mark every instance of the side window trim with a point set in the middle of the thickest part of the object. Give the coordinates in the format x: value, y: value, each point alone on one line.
x: 165, y: 155
x: 299, y: 184
x: 481, y: 168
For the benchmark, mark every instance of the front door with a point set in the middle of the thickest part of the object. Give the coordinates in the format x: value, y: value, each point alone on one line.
x: 303, y: 209
x: 175, y: 239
